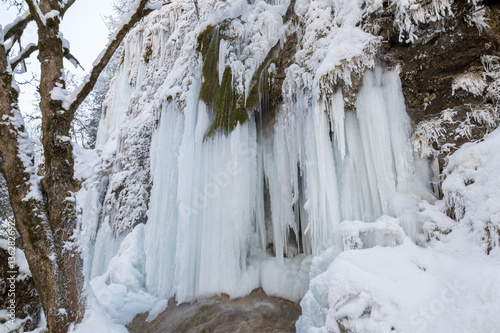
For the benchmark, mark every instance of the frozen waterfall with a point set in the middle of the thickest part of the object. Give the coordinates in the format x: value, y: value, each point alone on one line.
x: 264, y: 144
x: 247, y: 209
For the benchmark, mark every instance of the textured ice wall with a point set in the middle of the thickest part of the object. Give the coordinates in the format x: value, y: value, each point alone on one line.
x: 208, y: 230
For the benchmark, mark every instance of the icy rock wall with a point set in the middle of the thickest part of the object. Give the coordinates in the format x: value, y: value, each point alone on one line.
x: 239, y: 210
x: 410, y: 288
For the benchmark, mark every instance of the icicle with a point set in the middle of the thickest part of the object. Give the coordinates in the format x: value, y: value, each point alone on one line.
x: 161, y: 229
x: 222, y: 54
x: 337, y: 120
x: 375, y: 135
x: 251, y: 207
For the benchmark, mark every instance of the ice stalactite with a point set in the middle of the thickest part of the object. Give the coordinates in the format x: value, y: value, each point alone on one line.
x: 365, y: 168
x: 234, y: 211
x: 199, y: 228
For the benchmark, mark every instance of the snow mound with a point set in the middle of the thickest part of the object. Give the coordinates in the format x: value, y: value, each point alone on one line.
x: 404, y: 289
x: 450, y: 285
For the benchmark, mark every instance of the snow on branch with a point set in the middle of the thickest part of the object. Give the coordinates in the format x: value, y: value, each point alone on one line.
x: 39, y: 17
x: 65, y: 5
x: 23, y: 55
x: 16, y: 28
x: 58, y: 93
x: 138, y: 12
x: 67, y: 53
x: 36, y: 12
x: 72, y: 59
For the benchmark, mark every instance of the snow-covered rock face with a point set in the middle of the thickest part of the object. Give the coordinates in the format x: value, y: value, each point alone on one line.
x: 181, y: 207
x: 235, y: 211
x: 449, y: 285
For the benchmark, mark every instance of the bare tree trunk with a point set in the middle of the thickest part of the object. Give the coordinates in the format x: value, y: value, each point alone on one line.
x: 58, y: 183
x: 45, y: 216
x: 45, y: 257
x: 44, y: 210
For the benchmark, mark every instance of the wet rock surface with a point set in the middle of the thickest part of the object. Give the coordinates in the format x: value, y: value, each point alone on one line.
x: 256, y: 312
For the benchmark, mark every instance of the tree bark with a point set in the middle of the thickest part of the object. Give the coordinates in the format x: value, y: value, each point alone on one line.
x: 58, y: 183
x: 29, y: 206
x: 44, y: 210
x: 45, y: 215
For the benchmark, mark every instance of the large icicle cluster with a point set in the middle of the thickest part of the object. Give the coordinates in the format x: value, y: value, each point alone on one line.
x: 118, y: 194
x: 241, y: 210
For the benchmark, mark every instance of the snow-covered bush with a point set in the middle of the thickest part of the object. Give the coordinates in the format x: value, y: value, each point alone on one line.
x: 471, y: 189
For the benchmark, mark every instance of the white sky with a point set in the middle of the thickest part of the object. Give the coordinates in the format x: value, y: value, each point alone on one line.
x: 83, y: 27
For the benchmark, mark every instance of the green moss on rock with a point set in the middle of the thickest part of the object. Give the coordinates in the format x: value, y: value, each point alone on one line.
x: 208, y: 46
x: 229, y: 107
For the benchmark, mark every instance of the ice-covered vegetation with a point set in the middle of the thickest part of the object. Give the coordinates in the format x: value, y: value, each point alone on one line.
x: 433, y: 137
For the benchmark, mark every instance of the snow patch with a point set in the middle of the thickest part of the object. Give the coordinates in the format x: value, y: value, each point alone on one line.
x: 60, y: 94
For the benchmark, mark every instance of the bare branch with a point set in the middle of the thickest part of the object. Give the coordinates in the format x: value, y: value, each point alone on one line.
x: 17, y: 4
x: 72, y: 58
x: 87, y: 87
x: 66, y: 7
x: 24, y: 55
x: 31, y: 81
